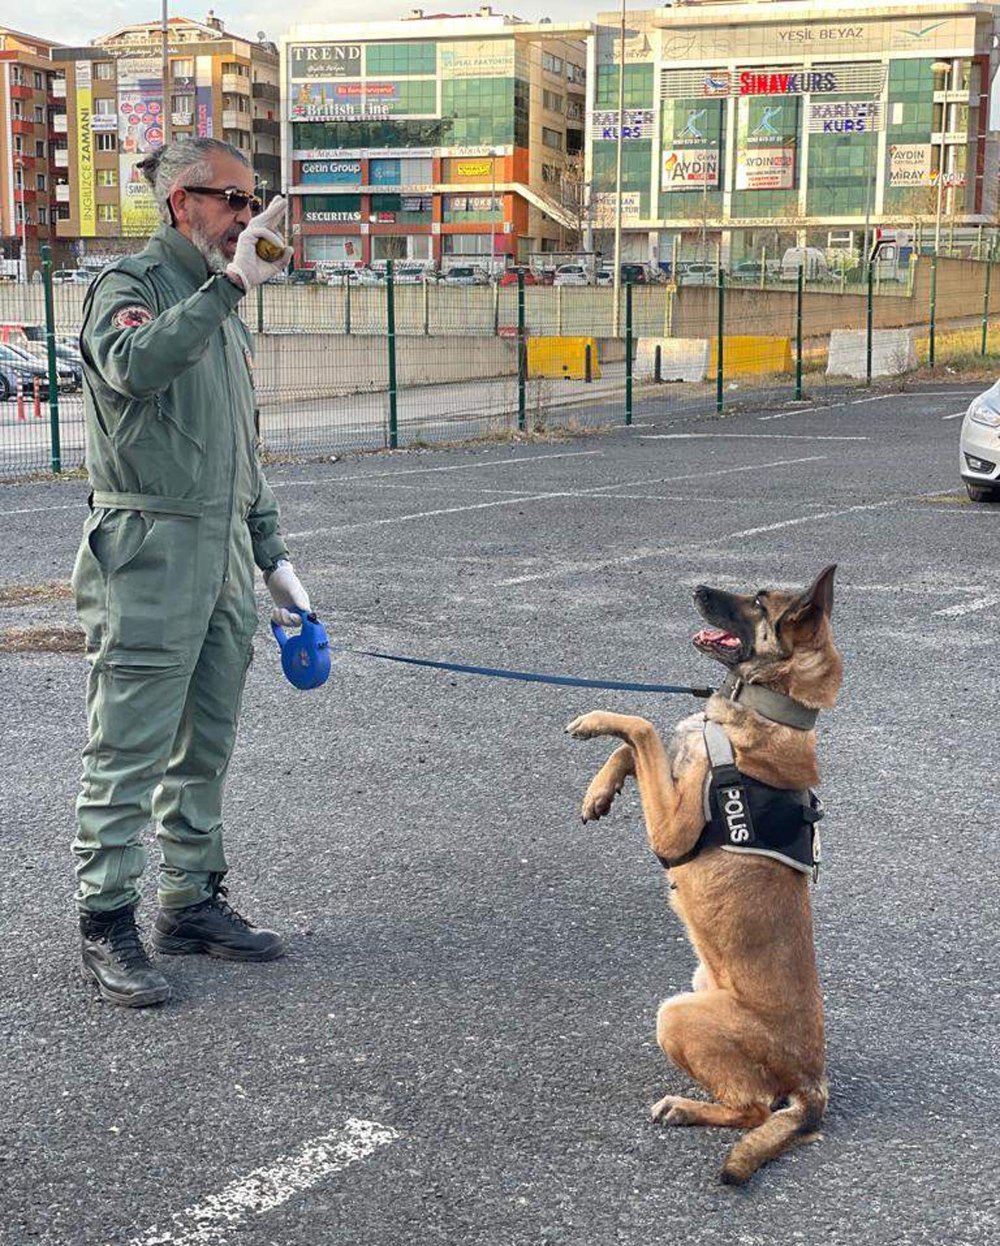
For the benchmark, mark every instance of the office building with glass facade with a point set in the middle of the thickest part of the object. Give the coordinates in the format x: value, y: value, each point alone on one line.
x: 751, y: 125
x: 433, y: 139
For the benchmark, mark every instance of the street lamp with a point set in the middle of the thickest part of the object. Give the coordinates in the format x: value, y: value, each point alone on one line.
x: 941, y: 67
x: 23, y: 224
x: 493, y: 208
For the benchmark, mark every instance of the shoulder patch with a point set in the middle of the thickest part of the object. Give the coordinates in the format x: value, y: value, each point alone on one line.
x: 131, y: 317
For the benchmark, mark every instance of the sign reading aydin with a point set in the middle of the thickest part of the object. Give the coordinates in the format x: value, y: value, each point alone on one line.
x: 324, y: 60
x: 765, y: 168
x: 845, y: 117
x: 690, y: 169
x: 910, y: 164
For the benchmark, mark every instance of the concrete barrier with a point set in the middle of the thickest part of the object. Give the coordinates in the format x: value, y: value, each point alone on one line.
x: 753, y: 356
x: 562, y: 357
x: 893, y: 353
x: 681, y: 358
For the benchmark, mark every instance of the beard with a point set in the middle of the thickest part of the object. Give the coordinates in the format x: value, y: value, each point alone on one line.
x: 212, y: 249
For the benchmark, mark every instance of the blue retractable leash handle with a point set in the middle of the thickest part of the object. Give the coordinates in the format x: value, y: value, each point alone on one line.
x: 305, y: 658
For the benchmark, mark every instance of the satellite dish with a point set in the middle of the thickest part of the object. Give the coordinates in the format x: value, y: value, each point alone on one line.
x: 261, y: 35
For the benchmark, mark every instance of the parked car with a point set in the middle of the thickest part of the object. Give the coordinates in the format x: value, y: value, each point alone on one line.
x: 466, y: 275
x: 509, y: 277
x: 64, y: 276
x: 979, y: 447
x: 302, y: 277
x: 20, y: 365
x: 410, y: 275
x: 698, y: 273
x: 21, y: 335
x: 571, y: 275
x: 810, y: 259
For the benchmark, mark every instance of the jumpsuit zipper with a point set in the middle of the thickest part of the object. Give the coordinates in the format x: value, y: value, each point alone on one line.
x: 232, y: 465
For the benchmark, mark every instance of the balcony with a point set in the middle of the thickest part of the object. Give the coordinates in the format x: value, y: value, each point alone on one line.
x: 266, y: 91
x: 19, y: 91
x: 59, y: 88
x: 20, y: 126
x: 263, y: 125
x: 59, y: 124
x: 232, y: 119
x: 236, y: 84
x: 62, y: 192
x: 60, y: 158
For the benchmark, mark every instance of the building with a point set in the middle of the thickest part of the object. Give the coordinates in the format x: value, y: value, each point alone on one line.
x: 433, y: 138
x: 28, y: 159
x: 220, y: 85
x: 753, y: 126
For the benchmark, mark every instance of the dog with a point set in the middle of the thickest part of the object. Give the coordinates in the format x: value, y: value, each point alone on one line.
x: 750, y: 1031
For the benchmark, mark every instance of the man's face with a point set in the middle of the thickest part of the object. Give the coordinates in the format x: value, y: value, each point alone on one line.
x: 207, y: 220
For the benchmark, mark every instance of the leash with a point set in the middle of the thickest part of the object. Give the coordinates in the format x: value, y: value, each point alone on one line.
x: 528, y: 677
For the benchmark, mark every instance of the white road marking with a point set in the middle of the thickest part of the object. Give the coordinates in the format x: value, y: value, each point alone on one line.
x: 796, y: 411
x: 969, y: 607
x: 792, y: 523
x: 264, y: 1189
x: 34, y: 510
x: 599, y: 491
x: 453, y: 467
x: 751, y: 436
x: 957, y: 416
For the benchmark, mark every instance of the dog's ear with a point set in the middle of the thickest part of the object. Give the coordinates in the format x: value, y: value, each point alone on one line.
x: 815, y: 603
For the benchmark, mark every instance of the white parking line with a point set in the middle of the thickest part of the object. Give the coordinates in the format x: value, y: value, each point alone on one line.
x: 969, y: 607
x: 751, y: 436
x: 266, y: 1188
x: 454, y: 467
x: 34, y: 510
x: 957, y: 416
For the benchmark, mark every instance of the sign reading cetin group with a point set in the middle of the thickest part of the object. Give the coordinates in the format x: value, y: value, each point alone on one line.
x: 324, y: 60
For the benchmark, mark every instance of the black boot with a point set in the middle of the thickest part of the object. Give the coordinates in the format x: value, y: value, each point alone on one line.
x: 114, y: 958
x: 216, y: 929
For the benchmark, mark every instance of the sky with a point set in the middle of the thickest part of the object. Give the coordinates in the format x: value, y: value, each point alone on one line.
x: 67, y: 21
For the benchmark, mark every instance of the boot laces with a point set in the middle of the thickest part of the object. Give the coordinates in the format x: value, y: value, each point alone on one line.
x: 219, y: 901
x: 126, y: 946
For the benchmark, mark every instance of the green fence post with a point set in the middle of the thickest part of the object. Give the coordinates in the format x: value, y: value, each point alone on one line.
x: 719, y: 351
x: 427, y: 306
x: 628, y: 349
x: 260, y: 309
x: 390, y: 324
x: 798, y: 333
x: 869, y: 322
x: 522, y: 353
x: 986, y: 307
x: 347, y: 306
x: 496, y: 308
x: 931, y: 342
x: 50, y: 350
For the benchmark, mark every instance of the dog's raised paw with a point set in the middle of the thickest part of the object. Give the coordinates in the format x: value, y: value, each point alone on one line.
x: 586, y: 726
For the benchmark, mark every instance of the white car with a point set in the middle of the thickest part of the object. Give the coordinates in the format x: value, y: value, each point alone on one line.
x: 571, y: 275
x: 979, y: 447
x: 466, y: 275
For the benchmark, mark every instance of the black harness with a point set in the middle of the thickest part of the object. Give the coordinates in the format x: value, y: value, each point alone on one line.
x: 746, y: 816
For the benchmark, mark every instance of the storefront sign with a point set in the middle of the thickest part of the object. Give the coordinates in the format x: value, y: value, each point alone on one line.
x: 480, y: 58
x: 604, y: 208
x: 910, y: 164
x: 474, y: 169
x: 330, y: 172
x: 327, y: 209
x: 638, y: 123
x: 203, y: 97
x: 139, y: 213
x: 85, y: 150
x: 324, y: 101
x: 416, y: 203
x: 845, y: 117
x: 324, y: 60
x: 103, y: 123
x: 765, y: 168
x: 782, y: 82
x: 690, y: 169
x: 751, y: 40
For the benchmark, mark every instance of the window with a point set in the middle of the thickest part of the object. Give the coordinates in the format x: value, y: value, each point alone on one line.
x: 39, y: 181
x: 552, y: 138
x: 16, y: 76
x: 104, y: 71
x: 18, y: 111
x: 39, y: 149
x: 105, y: 142
x: 575, y: 73
x: 105, y: 107
x: 182, y: 69
x: 405, y: 60
x: 39, y: 81
x: 19, y: 178
x: 107, y: 213
x: 107, y: 177
x: 553, y: 64
x: 43, y: 215
x: 552, y: 101
x: 18, y: 144
x: 39, y: 114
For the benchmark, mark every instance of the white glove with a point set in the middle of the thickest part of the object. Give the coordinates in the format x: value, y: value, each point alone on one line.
x: 247, y: 268
x: 286, y: 590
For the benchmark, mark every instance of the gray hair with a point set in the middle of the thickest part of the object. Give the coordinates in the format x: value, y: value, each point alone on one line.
x: 184, y: 158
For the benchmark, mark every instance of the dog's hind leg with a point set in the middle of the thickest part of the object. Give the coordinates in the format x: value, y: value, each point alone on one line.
x: 675, y: 1110
x: 607, y: 783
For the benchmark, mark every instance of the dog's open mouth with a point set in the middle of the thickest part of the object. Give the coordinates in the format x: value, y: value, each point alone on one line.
x: 715, y: 641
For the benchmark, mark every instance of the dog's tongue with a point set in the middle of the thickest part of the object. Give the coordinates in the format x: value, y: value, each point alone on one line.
x: 715, y: 636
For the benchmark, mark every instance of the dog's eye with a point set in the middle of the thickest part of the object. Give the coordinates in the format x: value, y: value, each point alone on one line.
x: 758, y: 601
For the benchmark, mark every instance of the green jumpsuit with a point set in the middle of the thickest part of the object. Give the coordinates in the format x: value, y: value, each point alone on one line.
x: 164, y: 577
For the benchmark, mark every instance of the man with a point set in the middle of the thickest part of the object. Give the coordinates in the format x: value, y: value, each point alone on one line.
x: 164, y: 579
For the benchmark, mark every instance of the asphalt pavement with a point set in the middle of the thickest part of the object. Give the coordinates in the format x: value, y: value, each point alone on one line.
x: 459, y: 1047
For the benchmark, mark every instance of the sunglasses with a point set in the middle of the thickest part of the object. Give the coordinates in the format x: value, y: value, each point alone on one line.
x: 235, y: 199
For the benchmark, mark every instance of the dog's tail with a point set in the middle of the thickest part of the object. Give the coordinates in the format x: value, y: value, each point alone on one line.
x: 782, y: 1130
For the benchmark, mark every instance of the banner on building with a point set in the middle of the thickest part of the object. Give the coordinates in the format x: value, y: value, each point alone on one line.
x: 203, y: 97
x: 910, y: 164
x: 330, y: 172
x: 477, y: 58
x: 844, y: 117
x: 765, y: 168
x: 954, y: 35
x: 637, y: 124
x: 331, y: 209
x: 604, y: 208
x: 694, y: 168
x: 85, y: 150
x: 324, y: 60
x: 330, y: 101
x: 139, y: 215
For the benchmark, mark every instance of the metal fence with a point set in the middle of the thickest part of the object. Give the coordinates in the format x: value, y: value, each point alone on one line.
x: 396, y: 364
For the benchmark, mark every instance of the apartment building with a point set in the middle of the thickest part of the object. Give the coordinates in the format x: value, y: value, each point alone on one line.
x: 30, y: 153
x: 789, y: 123
x: 435, y: 138
x: 217, y: 85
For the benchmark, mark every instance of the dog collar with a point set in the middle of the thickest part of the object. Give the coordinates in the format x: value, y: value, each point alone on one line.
x: 776, y: 706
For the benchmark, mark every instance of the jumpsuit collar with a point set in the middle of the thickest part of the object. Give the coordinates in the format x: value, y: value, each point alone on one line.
x: 183, y: 252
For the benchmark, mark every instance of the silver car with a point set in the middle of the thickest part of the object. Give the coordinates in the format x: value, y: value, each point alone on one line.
x: 979, y: 447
